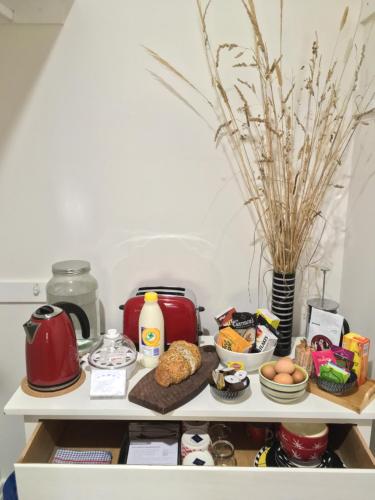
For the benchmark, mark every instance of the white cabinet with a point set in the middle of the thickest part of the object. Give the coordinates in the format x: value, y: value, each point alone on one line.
x: 34, y: 11
x: 37, y: 478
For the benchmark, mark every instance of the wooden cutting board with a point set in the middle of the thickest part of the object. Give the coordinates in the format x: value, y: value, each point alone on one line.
x: 356, y: 401
x: 148, y: 393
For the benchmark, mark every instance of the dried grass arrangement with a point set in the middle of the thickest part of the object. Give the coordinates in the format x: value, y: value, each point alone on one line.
x: 288, y: 142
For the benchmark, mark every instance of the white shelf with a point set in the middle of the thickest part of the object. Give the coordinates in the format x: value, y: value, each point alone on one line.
x: 34, y: 11
x: 257, y: 407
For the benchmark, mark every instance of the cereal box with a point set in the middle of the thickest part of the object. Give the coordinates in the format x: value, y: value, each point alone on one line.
x: 360, y: 346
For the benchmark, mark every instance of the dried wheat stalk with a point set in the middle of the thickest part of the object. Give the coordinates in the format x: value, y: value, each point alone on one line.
x: 287, y: 158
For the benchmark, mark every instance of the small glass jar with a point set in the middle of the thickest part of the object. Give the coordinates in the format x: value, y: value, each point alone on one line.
x: 223, y: 453
x: 219, y: 432
x: 73, y: 282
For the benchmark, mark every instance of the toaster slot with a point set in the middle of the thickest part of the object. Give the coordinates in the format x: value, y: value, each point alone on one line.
x: 161, y: 290
x: 147, y: 288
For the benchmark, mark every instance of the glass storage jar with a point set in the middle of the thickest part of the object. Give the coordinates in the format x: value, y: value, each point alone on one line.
x: 223, y: 453
x: 73, y: 282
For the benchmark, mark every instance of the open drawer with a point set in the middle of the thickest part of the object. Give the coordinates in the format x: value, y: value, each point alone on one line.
x: 38, y: 478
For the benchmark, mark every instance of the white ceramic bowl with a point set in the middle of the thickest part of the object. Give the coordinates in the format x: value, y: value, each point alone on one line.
x: 283, y: 393
x: 251, y: 361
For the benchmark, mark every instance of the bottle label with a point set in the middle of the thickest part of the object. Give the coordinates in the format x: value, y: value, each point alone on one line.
x: 150, y: 341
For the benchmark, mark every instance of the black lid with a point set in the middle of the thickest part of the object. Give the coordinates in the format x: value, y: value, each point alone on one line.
x: 47, y: 311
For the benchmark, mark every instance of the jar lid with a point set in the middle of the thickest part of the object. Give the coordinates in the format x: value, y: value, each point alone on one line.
x: 198, y: 458
x: 71, y: 267
x: 195, y: 439
x: 123, y: 354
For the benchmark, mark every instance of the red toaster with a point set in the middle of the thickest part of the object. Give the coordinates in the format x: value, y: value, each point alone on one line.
x: 180, y: 310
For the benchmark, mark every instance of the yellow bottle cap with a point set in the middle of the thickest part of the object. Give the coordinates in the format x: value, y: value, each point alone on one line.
x: 151, y: 297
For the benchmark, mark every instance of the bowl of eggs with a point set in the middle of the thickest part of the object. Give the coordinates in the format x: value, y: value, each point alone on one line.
x: 249, y: 361
x: 283, y: 381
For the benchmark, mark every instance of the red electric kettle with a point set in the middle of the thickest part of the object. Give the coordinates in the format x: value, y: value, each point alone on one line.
x: 52, y: 359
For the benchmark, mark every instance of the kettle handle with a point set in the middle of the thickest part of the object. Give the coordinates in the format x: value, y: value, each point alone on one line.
x: 70, y: 308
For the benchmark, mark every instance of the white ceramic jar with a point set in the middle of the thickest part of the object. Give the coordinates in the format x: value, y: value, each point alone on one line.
x: 194, y: 440
x: 200, y: 458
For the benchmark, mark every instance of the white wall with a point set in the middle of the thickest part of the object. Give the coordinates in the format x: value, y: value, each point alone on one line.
x: 357, y: 291
x: 98, y: 161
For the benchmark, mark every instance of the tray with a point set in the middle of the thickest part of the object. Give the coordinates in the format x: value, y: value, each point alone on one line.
x: 148, y: 393
x: 356, y: 401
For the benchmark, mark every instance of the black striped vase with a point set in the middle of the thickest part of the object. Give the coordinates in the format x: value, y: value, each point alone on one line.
x: 282, y: 306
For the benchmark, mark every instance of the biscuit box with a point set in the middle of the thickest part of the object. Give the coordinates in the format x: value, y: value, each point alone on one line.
x: 360, y: 346
x: 271, y: 319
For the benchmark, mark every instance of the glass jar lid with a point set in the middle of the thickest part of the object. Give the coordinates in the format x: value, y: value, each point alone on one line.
x: 119, y: 355
x: 71, y: 267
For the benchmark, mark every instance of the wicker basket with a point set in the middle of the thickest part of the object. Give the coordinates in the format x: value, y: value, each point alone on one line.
x: 338, y: 389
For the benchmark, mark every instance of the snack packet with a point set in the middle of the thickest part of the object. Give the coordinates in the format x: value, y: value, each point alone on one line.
x: 334, y: 373
x: 265, y: 339
x: 321, y: 358
x: 232, y: 341
x: 245, y: 324
x: 344, y: 357
x: 235, y: 365
x: 223, y: 319
x: 242, y: 321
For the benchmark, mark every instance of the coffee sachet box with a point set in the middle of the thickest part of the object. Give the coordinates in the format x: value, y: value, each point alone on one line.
x: 360, y: 346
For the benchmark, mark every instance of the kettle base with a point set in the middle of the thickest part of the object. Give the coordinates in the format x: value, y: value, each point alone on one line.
x: 57, y: 387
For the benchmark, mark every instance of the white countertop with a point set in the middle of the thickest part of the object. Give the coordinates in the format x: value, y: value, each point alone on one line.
x: 256, y: 407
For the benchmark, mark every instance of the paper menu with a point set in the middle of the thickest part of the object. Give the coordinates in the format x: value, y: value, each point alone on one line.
x: 325, y: 329
x: 108, y: 383
x: 153, y: 443
x: 155, y: 452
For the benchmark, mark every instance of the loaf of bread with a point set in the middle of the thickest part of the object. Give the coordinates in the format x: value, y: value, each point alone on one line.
x: 177, y: 364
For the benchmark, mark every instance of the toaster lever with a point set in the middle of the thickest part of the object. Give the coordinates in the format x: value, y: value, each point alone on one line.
x: 201, y: 309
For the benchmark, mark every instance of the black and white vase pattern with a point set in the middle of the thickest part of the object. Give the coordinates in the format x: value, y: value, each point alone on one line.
x: 283, y: 286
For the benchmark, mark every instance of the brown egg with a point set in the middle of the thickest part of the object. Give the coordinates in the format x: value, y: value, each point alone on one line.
x: 268, y: 371
x: 283, y: 378
x: 285, y: 365
x: 298, y: 376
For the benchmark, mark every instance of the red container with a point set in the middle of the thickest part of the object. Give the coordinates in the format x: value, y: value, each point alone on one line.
x: 180, y: 311
x: 303, y: 441
x: 52, y: 360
